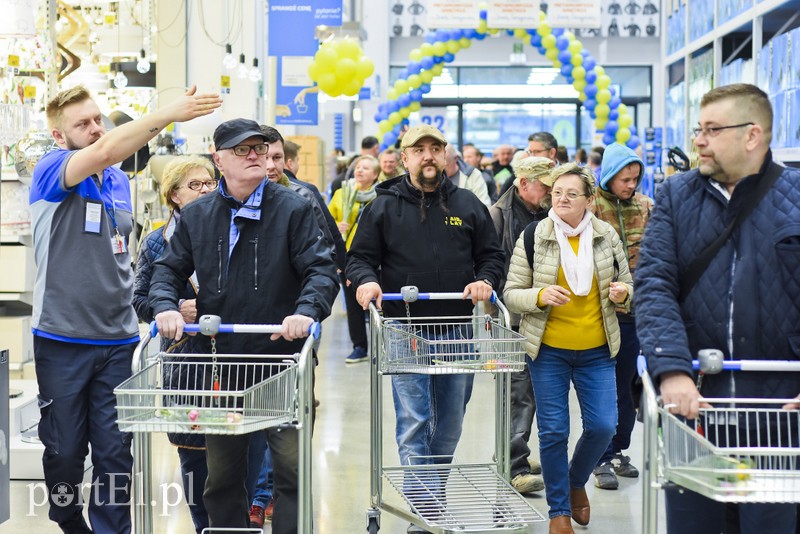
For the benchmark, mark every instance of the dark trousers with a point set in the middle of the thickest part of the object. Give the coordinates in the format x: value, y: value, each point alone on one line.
x: 523, y: 408
x: 356, y: 323
x: 78, y: 407
x: 690, y: 513
x: 625, y: 371
x: 226, y: 498
x: 194, y: 472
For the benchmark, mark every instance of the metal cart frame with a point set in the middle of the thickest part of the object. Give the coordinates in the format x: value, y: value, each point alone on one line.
x: 497, y: 350
x: 137, y: 407
x: 753, y: 463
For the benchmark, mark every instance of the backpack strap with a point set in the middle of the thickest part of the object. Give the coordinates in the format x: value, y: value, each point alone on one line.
x: 528, y: 234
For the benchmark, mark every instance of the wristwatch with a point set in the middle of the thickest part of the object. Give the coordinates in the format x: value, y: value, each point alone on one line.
x: 487, y: 282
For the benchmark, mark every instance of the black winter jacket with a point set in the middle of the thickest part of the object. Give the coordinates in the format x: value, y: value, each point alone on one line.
x: 279, y: 267
x: 746, y: 304
x: 448, y: 250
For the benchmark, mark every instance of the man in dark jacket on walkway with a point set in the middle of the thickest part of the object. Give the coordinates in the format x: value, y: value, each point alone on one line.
x: 422, y: 230
x: 747, y: 301
x: 259, y: 257
x: 527, y: 201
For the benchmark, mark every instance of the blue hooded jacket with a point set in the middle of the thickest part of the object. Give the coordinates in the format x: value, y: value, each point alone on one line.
x: 615, y: 158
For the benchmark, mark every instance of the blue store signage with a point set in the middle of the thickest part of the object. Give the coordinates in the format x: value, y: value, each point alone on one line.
x: 292, y: 24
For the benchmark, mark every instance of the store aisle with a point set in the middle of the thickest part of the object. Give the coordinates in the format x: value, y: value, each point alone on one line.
x: 341, y: 458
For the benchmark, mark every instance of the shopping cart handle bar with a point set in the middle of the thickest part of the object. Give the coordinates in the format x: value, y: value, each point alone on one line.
x: 755, y: 365
x: 641, y: 364
x: 314, y: 330
x: 432, y: 296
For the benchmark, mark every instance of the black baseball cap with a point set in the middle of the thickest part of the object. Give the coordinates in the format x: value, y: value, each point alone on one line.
x: 231, y: 133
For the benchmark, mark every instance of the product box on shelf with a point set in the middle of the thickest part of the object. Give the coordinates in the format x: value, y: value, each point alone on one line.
x: 793, y: 114
x: 780, y: 120
x: 779, y: 74
x: 764, y: 68
x: 15, y: 331
x: 17, y: 266
x: 793, y: 81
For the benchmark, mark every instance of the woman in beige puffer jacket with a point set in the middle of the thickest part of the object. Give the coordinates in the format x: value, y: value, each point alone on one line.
x: 568, y: 305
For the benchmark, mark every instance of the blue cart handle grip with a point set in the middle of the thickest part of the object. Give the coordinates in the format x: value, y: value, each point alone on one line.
x: 433, y: 296
x: 314, y: 330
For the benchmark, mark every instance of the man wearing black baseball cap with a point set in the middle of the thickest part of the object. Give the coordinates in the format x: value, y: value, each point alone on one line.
x: 252, y: 266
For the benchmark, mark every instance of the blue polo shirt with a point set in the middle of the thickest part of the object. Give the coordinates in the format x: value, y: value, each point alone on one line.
x: 83, y: 291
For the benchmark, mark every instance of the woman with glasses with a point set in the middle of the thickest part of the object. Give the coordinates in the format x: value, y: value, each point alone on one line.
x: 567, y: 300
x: 185, y: 179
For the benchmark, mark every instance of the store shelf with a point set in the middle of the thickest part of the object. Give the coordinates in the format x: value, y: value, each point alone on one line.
x: 786, y: 154
x: 25, y: 297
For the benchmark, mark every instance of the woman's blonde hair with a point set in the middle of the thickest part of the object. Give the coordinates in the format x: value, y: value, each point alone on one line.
x: 373, y: 161
x: 584, y: 173
x: 176, y: 170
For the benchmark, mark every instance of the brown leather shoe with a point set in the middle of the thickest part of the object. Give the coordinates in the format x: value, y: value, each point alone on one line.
x: 561, y: 525
x: 579, y: 503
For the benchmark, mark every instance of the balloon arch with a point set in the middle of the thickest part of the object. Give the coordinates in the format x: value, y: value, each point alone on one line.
x: 560, y: 46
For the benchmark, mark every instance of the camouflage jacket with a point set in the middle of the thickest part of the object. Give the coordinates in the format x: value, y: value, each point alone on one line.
x: 627, y: 217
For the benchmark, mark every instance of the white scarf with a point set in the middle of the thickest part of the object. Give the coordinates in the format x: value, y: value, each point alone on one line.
x: 578, y: 270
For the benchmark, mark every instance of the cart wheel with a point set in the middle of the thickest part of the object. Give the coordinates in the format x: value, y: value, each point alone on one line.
x: 372, y: 526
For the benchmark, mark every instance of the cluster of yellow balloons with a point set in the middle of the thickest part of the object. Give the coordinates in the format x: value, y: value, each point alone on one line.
x: 340, y: 67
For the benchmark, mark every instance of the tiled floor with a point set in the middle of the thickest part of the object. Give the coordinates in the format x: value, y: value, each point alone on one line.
x: 341, y: 458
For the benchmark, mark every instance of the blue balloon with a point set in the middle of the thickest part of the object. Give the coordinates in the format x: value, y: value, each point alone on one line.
x: 414, y: 68
x: 404, y: 100
x: 611, y: 127
x: 613, y: 115
x: 590, y: 90
x: 589, y: 104
x: 542, y: 50
x: 633, y: 142
x: 416, y: 95
x: 566, y: 70
x: 585, y: 53
x: 482, y: 14
x: 382, y: 147
x: 393, y: 106
x: 632, y: 128
x: 532, y: 32
x: 480, y: 36
x: 591, y: 76
x: 389, y: 138
x: 425, y: 88
x: 589, y: 63
x: 565, y: 56
x: 536, y: 40
x: 613, y: 90
x: 608, y: 139
x: 510, y: 32
x: 614, y: 102
x: 471, y: 34
x: 442, y: 35
x: 562, y: 43
x: 427, y: 62
x: 430, y: 37
x: 455, y: 35
x: 382, y: 108
x: 405, y: 122
x: 558, y: 32
x: 397, y: 129
x: 379, y: 117
x: 593, y: 115
x: 403, y: 74
x: 448, y: 57
x: 570, y: 79
x: 438, y: 59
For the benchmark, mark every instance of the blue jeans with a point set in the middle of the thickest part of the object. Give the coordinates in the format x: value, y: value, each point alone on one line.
x: 625, y: 371
x: 194, y: 473
x: 263, y: 491
x: 78, y: 407
x: 592, y: 372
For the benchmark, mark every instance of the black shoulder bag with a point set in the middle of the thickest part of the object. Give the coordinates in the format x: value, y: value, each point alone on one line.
x: 691, y: 275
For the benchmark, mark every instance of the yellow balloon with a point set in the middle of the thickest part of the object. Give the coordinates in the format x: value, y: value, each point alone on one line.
x: 577, y: 60
x: 582, y: 96
x: 603, y: 82
x: 579, y: 85
x: 575, y: 47
x: 483, y: 26
x: 391, y: 94
x: 549, y: 42
x: 405, y: 112
x: 622, y: 109
x: 328, y: 84
x: 345, y: 69
x: 570, y: 36
x: 464, y: 43
x: 494, y: 31
x: 603, y: 96
x: 384, y: 126
x: 520, y: 33
x: 414, y: 81
x: 552, y: 54
x: 600, y: 123
x: 623, y: 135
x: 365, y: 67
x: 401, y: 86
x: 556, y: 64
x: 543, y: 30
x: 349, y: 48
x: 625, y: 121
x: 395, y: 118
x: 426, y: 76
x: 579, y: 73
x: 453, y: 47
x: 313, y: 70
x: 542, y: 15
x: 415, y: 55
x: 439, y: 48
x: 437, y: 69
x: 599, y: 70
x: 326, y: 59
x: 414, y: 106
x: 426, y: 49
x: 602, y: 111
x: 352, y: 87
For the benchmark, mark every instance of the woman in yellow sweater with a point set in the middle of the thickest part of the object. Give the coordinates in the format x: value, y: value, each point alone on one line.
x: 346, y: 206
x: 567, y: 301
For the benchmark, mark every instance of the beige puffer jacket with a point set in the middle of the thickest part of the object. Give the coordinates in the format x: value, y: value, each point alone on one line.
x: 523, y: 285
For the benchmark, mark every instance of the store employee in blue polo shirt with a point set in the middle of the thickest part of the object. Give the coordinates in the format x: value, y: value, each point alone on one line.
x: 84, y: 325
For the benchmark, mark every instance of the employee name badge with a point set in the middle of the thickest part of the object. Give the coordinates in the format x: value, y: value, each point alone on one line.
x: 91, y: 221
x: 118, y: 244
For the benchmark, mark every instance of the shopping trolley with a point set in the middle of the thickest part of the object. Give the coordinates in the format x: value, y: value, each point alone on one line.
x: 446, y: 497
x: 738, y: 451
x: 229, y: 394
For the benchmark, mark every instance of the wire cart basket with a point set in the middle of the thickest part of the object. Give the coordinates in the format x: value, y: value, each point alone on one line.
x: 737, y: 451
x: 229, y: 394
x: 446, y: 497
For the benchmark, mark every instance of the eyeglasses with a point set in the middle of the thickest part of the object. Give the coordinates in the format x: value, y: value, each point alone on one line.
x: 244, y: 150
x: 530, y: 152
x: 197, y: 185
x: 572, y: 195
x: 713, y: 131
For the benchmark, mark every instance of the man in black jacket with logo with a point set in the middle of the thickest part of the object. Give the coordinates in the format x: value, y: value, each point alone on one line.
x: 422, y: 230
x: 259, y: 257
